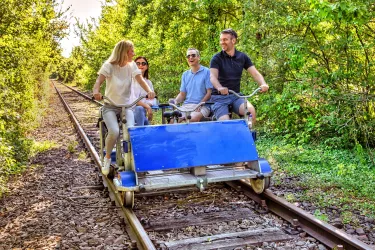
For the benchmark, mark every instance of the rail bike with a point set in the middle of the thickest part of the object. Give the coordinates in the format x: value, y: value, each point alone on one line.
x: 166, y: 156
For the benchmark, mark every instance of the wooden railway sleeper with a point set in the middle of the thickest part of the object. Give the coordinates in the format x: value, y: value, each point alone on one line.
x: 295, y: 223
x: 263, y: 207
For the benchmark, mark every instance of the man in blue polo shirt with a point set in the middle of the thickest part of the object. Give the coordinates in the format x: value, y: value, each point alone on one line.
x: 195, y: 86
x: 225, y: 73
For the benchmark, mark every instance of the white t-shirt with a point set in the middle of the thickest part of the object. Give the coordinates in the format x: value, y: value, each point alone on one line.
x: 138, y: 91
x: 119, y: 80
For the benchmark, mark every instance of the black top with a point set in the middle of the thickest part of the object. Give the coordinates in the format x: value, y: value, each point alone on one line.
x: 230, y: 69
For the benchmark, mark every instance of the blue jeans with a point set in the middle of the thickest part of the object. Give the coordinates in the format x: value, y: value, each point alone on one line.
x: 140, y: 116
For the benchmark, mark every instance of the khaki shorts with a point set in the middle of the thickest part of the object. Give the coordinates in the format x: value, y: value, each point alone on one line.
x: 205, y: 111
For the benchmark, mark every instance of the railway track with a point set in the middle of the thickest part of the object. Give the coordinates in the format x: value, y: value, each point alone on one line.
x: 227, y: 216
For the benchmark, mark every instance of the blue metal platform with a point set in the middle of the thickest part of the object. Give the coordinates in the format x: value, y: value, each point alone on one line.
x: 163, y: 147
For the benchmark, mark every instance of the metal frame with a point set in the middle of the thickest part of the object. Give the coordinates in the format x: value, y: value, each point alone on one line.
x: 180, y: 178
x: 165, y: 180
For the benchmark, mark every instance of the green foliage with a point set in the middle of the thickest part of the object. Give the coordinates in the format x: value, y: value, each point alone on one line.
x: 319, y: 215
x: 290, y: 197
x: 82, y: 155
x: 40, y: 147
x: 347, y: 217
x: 69, y: 68
x: 320, y: 56
x: 344, y: 173
x: 29, y: 33
x: 72, y: 146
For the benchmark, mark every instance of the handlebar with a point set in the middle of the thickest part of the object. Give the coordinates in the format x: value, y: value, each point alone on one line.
x: 245, y: 96
x: 124, y: 105
x: 187, y: 110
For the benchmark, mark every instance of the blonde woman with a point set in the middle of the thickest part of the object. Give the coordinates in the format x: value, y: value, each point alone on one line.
x: 118, y: 72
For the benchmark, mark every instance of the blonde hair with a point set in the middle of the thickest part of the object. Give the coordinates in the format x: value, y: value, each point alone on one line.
x: 120, y: 52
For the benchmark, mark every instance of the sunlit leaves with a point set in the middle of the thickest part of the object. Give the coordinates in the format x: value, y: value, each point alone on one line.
x: 348, y: 12
x: 29, y: 31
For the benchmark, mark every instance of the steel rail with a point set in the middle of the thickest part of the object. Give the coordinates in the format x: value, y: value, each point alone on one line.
x: 322, y: 231
x: 83, y: 95
x: 128, y: 214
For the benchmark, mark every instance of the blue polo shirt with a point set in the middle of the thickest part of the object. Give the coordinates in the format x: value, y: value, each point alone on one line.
x: 195, y: 85
x: 230, y: 69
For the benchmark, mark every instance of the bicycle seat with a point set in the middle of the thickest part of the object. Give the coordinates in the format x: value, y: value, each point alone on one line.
x: 170, y: 114
x: 163, y: 105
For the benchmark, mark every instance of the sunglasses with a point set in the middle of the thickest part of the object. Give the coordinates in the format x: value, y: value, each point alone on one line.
x: 141, y: 63
x: 192, y: 55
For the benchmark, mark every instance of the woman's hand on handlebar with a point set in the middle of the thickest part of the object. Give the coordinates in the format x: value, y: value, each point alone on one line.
x: 151, y: 95
x: 98, y: 96
x: 223, y: 90
x: 264, y: 87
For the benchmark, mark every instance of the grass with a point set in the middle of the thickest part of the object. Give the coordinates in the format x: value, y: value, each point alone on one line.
x: 72, y: 146
x: 320, y: 215
x: 82, y: 155
x: 39, y: 147
x: 346, y: 177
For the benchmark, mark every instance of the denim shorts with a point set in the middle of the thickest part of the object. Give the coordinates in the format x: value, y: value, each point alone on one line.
x: 222, y: 102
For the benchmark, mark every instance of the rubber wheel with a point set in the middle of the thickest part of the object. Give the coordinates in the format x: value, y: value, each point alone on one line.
x: 259, y: 185
x: 127, y: 199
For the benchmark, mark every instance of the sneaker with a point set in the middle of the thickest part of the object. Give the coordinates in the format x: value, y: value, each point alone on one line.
x: 106, y: 165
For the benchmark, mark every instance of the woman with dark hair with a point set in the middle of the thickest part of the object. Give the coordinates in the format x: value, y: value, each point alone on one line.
x: 143, y: 111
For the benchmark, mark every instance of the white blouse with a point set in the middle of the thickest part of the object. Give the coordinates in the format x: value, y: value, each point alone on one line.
x: 119, y: 81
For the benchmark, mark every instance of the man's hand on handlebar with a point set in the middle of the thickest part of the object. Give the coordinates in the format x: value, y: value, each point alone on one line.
x: 98, y: 96
x: 223, y: 90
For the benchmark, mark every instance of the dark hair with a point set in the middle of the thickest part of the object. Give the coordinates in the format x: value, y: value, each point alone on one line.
x: 230, y: 31
x: 146, y: 71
